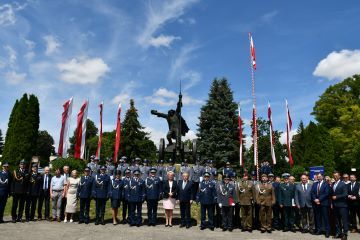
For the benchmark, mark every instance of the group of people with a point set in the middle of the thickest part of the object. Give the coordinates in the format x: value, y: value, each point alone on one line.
x: 269, y: 204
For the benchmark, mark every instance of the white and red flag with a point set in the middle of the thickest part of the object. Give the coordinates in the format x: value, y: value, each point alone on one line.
x: 255, y: 136
x: 118, y: 133
x: 252, y: 52
x: 272, y: 136
x: 65, y: 123
x: 288, y: 131
x: 97, y: 154
x: 81, y: 131
x: 240, y: 137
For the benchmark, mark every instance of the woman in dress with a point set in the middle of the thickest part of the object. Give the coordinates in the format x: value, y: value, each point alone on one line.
x: 169, y: 193
x: 115, y: 193
x: 71, y: 190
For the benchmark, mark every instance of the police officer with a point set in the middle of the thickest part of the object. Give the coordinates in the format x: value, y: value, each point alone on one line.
x: 153, y: 191
x: 227, y: 170
x: 19, y: 188
x: 144, y: 169
x: 265, y: 197
x: 136, y: 198
x: 116, y: 194
x: 135, y: 165
x: 207, y: 196
x: 122, y: 166
x: 33, y: 193
x: 286, y: 196
x: 185, y: 168
x: 84, y: 194
x: 109, y: 167
x: 93, y: 165
x: 100, y: 193
x: 5, y: 185
x: 209, y: 168
x: 160, y: 170
x: 217, y: 210
x: 246, y: 197
x: 196, y: 173
x: 226, y: 196
x: 171, y: 167
x: 125, y: 202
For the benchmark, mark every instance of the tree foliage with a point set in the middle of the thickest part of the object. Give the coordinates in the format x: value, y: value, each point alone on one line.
x: 44, y: 147
x: 1, y: 142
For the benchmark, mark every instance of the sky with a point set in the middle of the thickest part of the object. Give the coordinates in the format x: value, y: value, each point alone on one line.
x: 115, y: 50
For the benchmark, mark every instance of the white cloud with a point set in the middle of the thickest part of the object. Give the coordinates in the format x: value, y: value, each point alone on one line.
x: 163, y: 41
x: 52, y: 44
x: 155, y: 135
x: 339, y: 65
x: 126, y: 91
x: 14, y: 78
x: 7, y: 15
x: 12, y: 55
x: 159, y: 14
x: 30, y: 46
x: 283, y: 136
x: 165, y: 97
x: 83, y: 70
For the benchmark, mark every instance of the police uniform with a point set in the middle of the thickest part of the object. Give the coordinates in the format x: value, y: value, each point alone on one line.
x: 265, y: 197
x: 122, y: 166
x: 286, y: 197
x: 153, y: 191
x: 93, y: 165
x: 169, y: 168
x: 84, y: 194
x: 144, y: 169
x: 135, y: 166
x: 160, y: 170
x: 19, y: 188
x: 196, y: 172
x: 209, y: 168
x: 125, y: 202
x: 246, y: 196
x: 136, y: 198
x: 5, y: 185
x: 226, y: 197
x: 100, y: 193
x: 227, y: 170
x: 116, y: 191
x: 110, y: 168
x: 207, y: 196
x: 33, y: 194
x: 185, y: 168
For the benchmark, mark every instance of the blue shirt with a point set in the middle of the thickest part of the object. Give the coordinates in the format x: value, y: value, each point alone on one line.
x: 57, y: 183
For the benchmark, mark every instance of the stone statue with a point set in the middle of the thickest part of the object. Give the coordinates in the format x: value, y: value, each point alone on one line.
x: 177, y: 125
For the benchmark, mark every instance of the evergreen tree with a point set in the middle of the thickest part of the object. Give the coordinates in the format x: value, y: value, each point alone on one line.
x: 1, y: 142
x: 135, y: 142
x: 218, y: 126
x: 298, y: 147
x: 44, y: 147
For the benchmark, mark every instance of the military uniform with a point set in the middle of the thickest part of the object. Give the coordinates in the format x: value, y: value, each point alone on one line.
x: 5, y: 185
x: 122, y: 166
x: 226, y: 197
x: 153, y: 191
x: 207, y: 197
x: 84, y: 194
x: 94, y: 167
x: 246, y: 197
x: 110, y: 168
x: 265, y: 197
x: 184, y: 169
x: 136, y: 198
x: 167, y: 169
x: 125, y: 202
x: 100, y: 193
x: 160, y: 170
x: 287, y: 195
x: 210, y: 169
x: 19, y: 188
x: 228, y: 170
x: 33, y: 194
x: 144, y: 169
x: 196, y: 173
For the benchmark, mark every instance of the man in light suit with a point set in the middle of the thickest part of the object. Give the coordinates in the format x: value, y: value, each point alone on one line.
x: 320, y: 194
x: 340, y: 205
x: 185, y: 197
x: 304, y: 204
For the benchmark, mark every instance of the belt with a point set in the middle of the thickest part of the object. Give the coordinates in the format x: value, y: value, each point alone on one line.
x: 58, y: 190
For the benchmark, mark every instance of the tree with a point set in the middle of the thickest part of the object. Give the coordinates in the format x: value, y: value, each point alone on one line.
x: 44, y: 147
x: 1, y: 142
x: 338, y: 110
x: 135, y: 142
x: 218, y: 126
x: 91, y: 132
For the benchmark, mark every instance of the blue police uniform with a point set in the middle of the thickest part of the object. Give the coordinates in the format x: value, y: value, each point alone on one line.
x: 5, y: 183
x: 94, y: 167
x: 84, y: 194
x: 153, y: 190
x: 167, y: 169
x: 115, y: 193
x: 136, y: 196
x: 125, y: 201
x: 100, y: 193
x: 206, y: 196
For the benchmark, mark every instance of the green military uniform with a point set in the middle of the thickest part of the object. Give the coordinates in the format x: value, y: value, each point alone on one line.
x: 265, y: 197
x: 286, y: 196
x: 245, y: 197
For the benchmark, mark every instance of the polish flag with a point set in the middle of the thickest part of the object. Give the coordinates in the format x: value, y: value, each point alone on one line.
x: 252, y: 52
x: 100, y: 134
x: 272, y: 136
x: 81, y: 131
x: 288, y: 130
x: 118, y: 134
x: 65, y: 123
x: 240, y: 138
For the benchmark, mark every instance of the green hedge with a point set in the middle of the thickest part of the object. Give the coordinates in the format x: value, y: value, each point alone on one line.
x: 74, y: 164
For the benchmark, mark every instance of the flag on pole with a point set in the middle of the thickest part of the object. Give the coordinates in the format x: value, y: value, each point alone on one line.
x: 255, y: 135
x: 252, y: 52
x: 65, y: 123
x: 288, y: 131
x: 100, y: 134
x: 240, y: 138
x: 272, y: 136
x: 81, y: 131
x: 118, y: 134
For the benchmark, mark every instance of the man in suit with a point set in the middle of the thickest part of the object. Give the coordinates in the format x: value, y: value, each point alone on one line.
x: 19, y: 188
x: 276, y: 223
x: 84, y: 194
x: 354, y: 202
x: 33, y: 193
x: 5, y: 184
x: 45, y: 194
x: 320, y: 194
x: 304, y: 204
x: 287, y: 194
x: 185, y: 197
x: 339, y: 201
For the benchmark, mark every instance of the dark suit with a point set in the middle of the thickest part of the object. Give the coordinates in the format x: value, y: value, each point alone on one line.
x: 166, y: 189
x: 19, y: 188
x: 185, y: 195
x: 340, y: 205
x: 33, y: 194
x: 303, y: 200
x: 44, y: 196
x: 321, y: 211
x: 5, y: 184
x: 354, y: 204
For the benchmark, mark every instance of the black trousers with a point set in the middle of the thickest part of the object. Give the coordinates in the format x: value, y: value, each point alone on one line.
x: 354, y: 211
x: 84, y: 210
x: 62, y: 208
x: 152, y: 206
x: 276, y: 223
x: 3, y: 200
x: 18, y: 201
x: 100, y: 204
x: 227, y: 214
x: 256, y: 221
x: 322, y: 216
x: 30, y: 207
x: 209, y: 208
x: 135, y: 209
x: 125, y: 209
x: 297, y: 217
x: 44, y: 198
x: 341, y: 220
x: 236, y: 219
x: 185, y: 214
x: 289, y: 217
x: 195, y: 188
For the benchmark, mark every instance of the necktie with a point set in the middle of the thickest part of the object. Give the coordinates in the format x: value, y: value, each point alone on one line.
x: 304, y: 187
x: 183, y: 185
x: 318, y: 188
x: 45, y: 182
x: 352, y: 186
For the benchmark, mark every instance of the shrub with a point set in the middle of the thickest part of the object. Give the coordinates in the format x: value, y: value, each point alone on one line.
x: 74, y: 164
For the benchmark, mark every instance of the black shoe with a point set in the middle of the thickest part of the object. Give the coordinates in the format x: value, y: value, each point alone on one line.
x: 243, y: 230
x: 170, y: 225
x: 182, y: 225
x: 250, y: 230
x: 97, y: 221
x: 292, y: 230
x: 224, y: 229
x: 166, y: 225
x: 269, y: 231
x: 211, y: 229
x: 327, y: 235
x: 230, y: 229
x: 285, y: 230
x: 188, y: 226
x: 202, y: 228
x: 344, y: 237
x: 138, y: 225
x: 81, y: 221
x: 13, y: 221
x: 262, y: 231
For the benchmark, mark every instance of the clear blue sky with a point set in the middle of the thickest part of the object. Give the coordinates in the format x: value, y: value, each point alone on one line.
x: 112, y: 51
